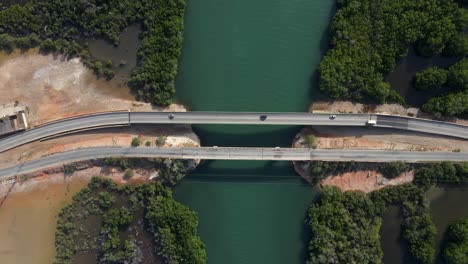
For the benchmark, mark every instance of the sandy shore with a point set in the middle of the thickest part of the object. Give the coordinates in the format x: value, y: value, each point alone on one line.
x: 52, y: 88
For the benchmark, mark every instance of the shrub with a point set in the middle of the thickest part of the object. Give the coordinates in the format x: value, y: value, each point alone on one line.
x: 136, y: 142
x: 128, y: 174
x: 311, y: 141
x: 159, y: 141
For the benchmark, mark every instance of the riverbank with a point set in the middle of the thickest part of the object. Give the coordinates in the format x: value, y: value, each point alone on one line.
x: 363, y: 138
x: 52, y: 87
x: 350, y: 107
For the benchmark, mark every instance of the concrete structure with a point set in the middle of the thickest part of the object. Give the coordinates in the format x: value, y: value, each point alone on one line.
x: 12, y: 118
x: 80, y: 123
x: 228, y: 153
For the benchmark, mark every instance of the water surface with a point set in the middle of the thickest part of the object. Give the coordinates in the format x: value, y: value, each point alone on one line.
x: 250, y: 56
x: 250, y: 212
x: 401, y: 77
x: 28, y: 220
x: 123, y: 56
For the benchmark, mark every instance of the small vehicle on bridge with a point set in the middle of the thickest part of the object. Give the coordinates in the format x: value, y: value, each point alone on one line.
x: 171, y: 116
x: 332, y: 117
x: 263, y: 117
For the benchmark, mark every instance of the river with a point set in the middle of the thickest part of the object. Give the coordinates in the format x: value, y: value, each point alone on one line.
x: 250, y: 56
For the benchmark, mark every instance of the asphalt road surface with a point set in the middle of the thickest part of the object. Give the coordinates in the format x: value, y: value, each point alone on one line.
x: 229, y: 153
x: 307, y: 119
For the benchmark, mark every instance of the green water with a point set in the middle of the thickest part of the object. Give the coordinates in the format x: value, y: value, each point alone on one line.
x: 250, y: 56
x: 250, y: 212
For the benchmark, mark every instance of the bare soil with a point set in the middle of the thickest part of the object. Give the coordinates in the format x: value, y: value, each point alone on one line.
x: 366, y: 181
x: 53, y: 88
x: 377, y: 138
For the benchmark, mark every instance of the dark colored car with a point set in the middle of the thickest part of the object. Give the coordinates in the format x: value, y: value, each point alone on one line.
x: 171, y: 116
x: 263, y: 117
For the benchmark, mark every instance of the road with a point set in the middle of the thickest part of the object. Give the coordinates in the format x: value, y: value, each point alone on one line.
x: 229, y: 153
x: 306, y: 119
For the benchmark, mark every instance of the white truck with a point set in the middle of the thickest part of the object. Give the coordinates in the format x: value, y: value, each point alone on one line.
x: 371, y: 122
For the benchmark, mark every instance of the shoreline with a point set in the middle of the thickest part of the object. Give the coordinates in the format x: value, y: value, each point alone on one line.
x: 359, y: 108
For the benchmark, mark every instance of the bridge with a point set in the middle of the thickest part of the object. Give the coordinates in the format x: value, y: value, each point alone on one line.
x: 112, y: 119
x: 231, y: 153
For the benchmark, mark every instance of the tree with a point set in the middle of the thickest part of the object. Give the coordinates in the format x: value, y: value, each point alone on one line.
x: 458, y: 75
x: 430, y: 79
x: 393, y: 169
x: 344, y: 229
x: 368, y: 37
x: 454, y: 104
x: 58, y: 25
x: 419, y: 231
x: 458, y: 46
x: 105, y: 200
x: 456, y: 248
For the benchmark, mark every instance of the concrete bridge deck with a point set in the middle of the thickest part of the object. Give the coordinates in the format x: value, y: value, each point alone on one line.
x: 101, y: 120
x: 229, y: 153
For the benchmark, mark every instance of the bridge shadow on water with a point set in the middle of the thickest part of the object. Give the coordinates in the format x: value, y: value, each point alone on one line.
x: 260, y: 172
x: 246, y: 135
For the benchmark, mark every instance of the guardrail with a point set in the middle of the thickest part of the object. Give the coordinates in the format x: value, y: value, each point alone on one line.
x: 72, y: 124
x: 80, y: 116
x: 231, y: 153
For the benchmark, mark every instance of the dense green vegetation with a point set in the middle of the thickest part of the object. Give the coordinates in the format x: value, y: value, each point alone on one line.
x: 456, y: 248
x: 430, y: 79
x: 393, y: 169
x: 454, y: 103
x: 122, y: 208
x: 345, y: 229
x: 62, y: 25
x: 342, y: 222
x: 443, y: 173
x: 367, y: 37
x: 419, y: 231
x: 345, y: 226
